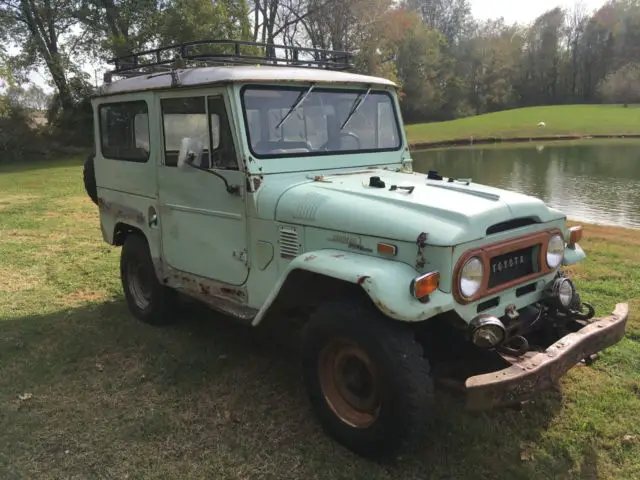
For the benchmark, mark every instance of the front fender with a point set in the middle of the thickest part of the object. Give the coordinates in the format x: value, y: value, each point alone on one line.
x: 386, y: 282
x: 573, y: 255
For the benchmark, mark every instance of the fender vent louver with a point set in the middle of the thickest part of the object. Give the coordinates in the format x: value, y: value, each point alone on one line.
x: 289, y: 242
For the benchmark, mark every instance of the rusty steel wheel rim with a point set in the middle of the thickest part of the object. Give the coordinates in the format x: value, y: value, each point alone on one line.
x: 349, y: 382
x: 139, y: 285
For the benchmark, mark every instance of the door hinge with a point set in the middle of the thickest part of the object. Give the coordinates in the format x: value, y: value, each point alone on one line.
x: 241, y: 255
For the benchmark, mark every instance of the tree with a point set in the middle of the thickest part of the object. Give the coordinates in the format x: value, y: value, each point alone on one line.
x: 35, y: 98
x: 540, y: 73
x: 623, y: 85
x: 189, y: 20
x: 598, y: 52
x: 419, y: 61
x: 450, y: 17
x: 495, y: 58
x: 577, y: 20
x: 119, y: 27
x: 36, y: 28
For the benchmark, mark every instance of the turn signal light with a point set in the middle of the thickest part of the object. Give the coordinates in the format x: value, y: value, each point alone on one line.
x: 387, y: 249
x: 575, y: 235
x: 425, y: 285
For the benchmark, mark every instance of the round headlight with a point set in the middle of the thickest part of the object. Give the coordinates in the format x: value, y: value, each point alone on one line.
x: 487, y: 332
x: 471, y: 277
x: 564, y: 291
x: 555, y: 251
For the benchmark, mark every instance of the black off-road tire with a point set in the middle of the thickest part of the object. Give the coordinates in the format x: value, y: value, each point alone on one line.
x: 407, y: 389
x: 149, y: 300
x: 89, y: 177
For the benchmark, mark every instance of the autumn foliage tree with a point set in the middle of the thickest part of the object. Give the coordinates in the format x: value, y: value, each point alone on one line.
x: 447, y: 63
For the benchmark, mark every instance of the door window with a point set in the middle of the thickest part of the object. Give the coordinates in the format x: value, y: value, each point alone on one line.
x: 183, y: 117
x: 187, y: 117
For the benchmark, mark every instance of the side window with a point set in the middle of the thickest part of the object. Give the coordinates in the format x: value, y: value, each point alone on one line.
x: 124, y: 131
x: 223, y: 151
x: 184, y: 117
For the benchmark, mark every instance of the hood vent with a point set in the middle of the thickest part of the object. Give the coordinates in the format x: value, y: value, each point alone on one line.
x: 289, y: 242
x: 511, y: 225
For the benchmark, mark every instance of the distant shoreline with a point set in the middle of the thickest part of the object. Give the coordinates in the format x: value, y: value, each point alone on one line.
x: 468, y: 142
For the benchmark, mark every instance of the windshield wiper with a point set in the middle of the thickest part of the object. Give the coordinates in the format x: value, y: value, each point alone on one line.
x: 297, y: 103
x: 355, y: 107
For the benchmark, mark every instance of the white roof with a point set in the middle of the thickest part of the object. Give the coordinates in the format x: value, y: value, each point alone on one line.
x: 209, y: 75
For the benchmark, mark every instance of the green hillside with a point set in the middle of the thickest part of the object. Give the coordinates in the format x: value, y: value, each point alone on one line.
x: 579, y: 120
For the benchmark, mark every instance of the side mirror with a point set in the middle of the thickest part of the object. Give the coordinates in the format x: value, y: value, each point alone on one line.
x: 190, y: 153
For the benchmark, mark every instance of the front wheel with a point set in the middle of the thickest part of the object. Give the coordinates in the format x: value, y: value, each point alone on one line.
x: 366, y: 378
x: 148, y: 300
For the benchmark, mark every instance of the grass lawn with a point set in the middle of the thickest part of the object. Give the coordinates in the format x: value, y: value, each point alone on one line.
x: 88, y: 392
x: 523, y: 123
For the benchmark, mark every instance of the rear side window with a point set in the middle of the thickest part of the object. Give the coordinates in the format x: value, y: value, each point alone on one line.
x: 124, y: 131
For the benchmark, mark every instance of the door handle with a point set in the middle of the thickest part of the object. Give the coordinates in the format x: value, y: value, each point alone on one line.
x: 153, y: 217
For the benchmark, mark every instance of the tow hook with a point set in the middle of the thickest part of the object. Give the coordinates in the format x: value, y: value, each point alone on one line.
x: 578, y: 315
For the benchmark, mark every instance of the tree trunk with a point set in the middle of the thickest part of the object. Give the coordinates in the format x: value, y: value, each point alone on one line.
x: 44, y: 34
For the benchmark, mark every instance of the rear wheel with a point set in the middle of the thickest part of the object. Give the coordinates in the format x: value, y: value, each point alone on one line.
x: 366, y: 377
x: 149, y: 300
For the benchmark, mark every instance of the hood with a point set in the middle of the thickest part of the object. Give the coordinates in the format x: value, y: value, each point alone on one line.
x: 450, y: 212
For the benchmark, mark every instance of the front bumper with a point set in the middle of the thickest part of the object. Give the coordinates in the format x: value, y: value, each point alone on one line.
x: 536, y: 371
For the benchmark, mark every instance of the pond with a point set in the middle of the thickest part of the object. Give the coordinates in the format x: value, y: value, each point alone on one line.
x: 596, y: 181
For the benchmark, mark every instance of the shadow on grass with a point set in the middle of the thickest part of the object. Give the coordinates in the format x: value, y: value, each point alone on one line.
x: 112, y: 397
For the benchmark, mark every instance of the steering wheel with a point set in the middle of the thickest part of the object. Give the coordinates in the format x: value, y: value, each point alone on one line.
x: 354, y: 136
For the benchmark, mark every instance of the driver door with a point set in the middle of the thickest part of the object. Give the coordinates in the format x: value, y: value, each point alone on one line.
x: 204, y: 230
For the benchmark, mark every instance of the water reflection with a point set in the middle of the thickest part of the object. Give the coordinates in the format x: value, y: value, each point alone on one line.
x: 591, y: 181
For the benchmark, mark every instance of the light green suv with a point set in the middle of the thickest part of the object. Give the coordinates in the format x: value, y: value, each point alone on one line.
x: 284, y: 188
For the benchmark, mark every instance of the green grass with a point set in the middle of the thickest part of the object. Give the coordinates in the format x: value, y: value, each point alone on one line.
x: 523, y: 123
x: 112, y: 398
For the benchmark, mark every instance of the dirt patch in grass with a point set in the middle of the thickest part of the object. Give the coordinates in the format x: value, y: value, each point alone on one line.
x: 615, y: 235
x: 82, y: 297
x: 14, y: 280
x: 21, y: 235
x: 72, y: 215
x: 9, y: 201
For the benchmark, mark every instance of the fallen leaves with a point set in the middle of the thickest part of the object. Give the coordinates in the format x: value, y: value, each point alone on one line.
x: 526, y: 452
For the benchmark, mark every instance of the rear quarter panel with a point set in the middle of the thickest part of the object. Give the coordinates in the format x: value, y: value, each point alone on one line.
x: 127, y: 190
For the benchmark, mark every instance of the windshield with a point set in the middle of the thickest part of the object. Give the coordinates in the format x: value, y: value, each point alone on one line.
x: 324, y: 121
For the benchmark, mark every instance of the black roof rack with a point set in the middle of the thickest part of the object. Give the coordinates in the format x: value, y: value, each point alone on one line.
x: 225, y: 52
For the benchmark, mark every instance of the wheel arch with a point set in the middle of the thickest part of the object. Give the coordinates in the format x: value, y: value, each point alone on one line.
x: 121, y: 230
x: 384, y: 282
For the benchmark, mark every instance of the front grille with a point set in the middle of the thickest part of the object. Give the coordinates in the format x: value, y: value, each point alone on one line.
x: 511, y: 266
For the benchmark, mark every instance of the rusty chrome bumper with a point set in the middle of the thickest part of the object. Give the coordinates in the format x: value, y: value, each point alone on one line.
x: 537, y: 371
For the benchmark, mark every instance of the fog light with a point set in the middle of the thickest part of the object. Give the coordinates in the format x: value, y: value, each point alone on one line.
x: 564, y: 291
x: 487, y: 331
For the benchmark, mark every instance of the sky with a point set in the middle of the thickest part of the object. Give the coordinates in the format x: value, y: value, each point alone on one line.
x: 525, y: 11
